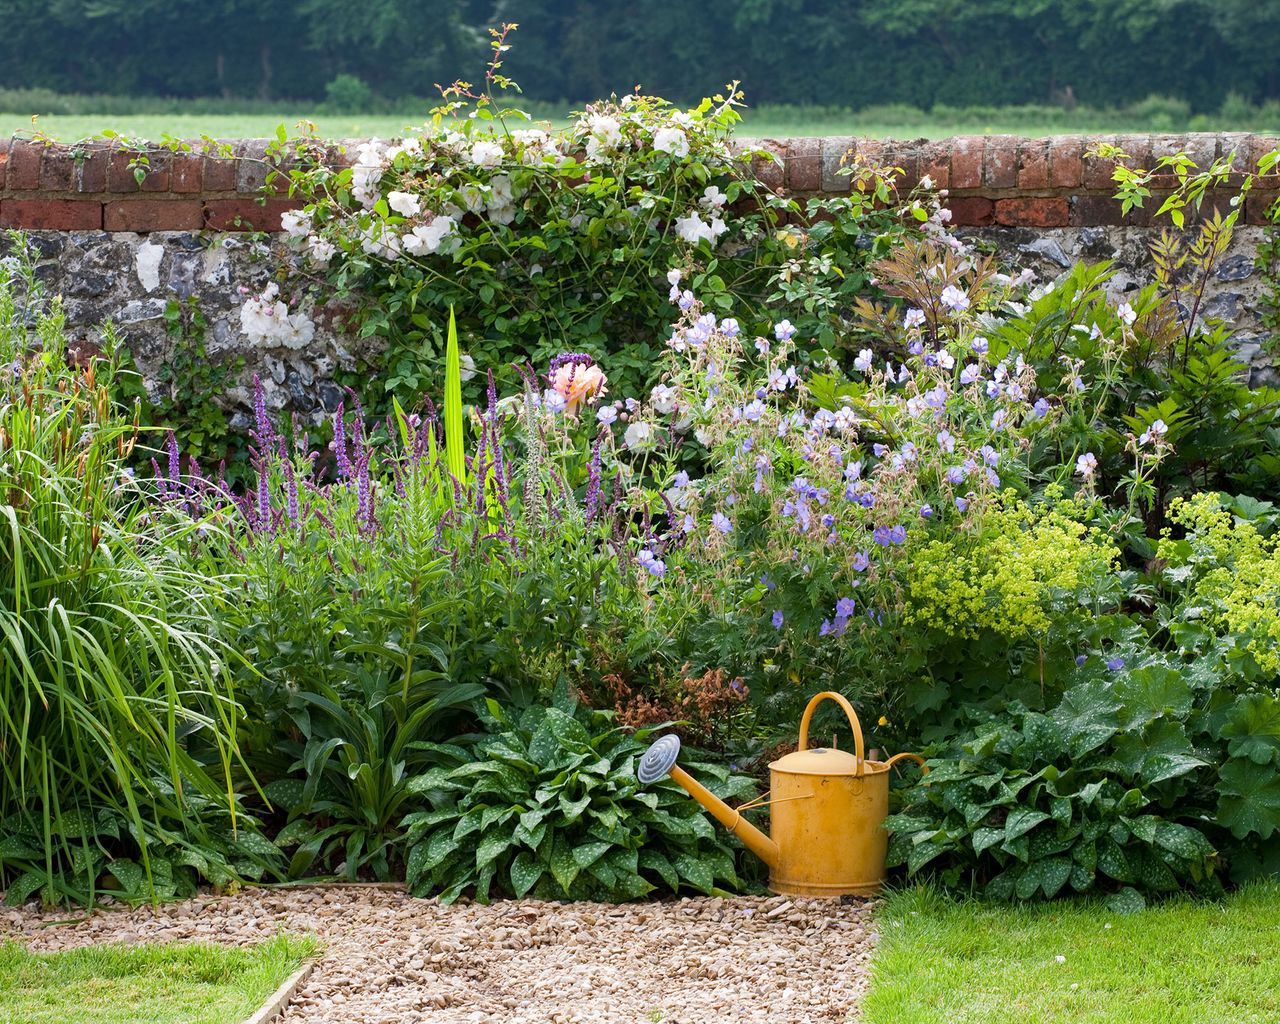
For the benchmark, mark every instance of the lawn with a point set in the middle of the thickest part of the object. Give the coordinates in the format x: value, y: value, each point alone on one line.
x: 144, y: 984
x: 1183, y: 962
x: 778, y: 123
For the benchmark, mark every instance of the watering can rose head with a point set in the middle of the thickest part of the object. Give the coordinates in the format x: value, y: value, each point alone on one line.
x: 578, y: 379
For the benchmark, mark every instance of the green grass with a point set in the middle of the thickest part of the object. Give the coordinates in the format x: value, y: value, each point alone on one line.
x: 145, y: 984
x: 776, y: 122
x: 1183, y: 962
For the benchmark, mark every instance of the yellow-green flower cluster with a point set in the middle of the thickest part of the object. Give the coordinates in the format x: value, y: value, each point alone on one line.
x: 1021, y: 570
x: 1236, y: 574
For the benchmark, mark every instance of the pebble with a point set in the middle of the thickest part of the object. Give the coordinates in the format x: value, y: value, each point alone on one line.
x: 392, y: 959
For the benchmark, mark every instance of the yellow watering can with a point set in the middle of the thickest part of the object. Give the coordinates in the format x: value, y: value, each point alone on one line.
x: 827, y: 810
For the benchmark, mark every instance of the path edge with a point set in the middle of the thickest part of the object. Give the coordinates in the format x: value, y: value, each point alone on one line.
x: 279, y: 999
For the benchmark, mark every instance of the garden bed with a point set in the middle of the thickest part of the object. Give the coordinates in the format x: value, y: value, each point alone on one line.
x: 392, y: 958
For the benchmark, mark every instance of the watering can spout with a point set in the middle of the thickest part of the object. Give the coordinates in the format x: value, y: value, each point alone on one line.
x: 660, y: 760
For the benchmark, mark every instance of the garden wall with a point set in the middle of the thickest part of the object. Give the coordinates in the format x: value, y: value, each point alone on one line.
x: 114, y: 246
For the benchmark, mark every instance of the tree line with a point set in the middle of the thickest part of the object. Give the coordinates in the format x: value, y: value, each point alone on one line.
x: 854, y: 53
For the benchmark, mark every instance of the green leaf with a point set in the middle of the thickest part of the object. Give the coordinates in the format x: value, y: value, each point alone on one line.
x: 1047, y: 876
x: 525, y: 872
x: 563, y: 867
x: 1021, y: 821
x: 455, y: 457
x: 657, y: 862
x: 695, y: 872
x: 1252, y: 729
x: 1087, y: 715
x: 1183, y: 841
x: 1249, y: 799
x: 491, y: 847
x: 1151, y: 692
x: 588, y: 853
x: 1126, y: 901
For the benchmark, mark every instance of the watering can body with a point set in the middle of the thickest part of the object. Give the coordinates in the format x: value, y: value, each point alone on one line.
x: 827, y: 809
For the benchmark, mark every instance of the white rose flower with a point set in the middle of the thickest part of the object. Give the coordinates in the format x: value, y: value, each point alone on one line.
x: 473, y: 197
x: 379, y: 240
x: 428, y: 238
x: 412, y: 147
x: 713, y: 198
x: 694, y: 229
x: 671, y: 140
x: 295, y: 223
x: 320, y: 250
x: 486, y: 153
x: 266, y: 319
x: 404, y: 203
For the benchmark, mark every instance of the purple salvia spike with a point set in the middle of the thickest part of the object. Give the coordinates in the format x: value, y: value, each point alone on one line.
x: 292, y: 483
x: 593, y: 479
x: 340, y: 442
x: 263, y: 521
x: 175, y: 460
x: 162, y: 483
x: 264, y: 428
x: 364, y: 499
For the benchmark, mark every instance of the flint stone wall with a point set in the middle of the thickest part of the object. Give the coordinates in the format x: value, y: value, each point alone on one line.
x: 117, y: 248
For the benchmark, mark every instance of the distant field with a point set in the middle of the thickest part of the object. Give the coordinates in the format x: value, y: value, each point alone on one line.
x: 69, y: 128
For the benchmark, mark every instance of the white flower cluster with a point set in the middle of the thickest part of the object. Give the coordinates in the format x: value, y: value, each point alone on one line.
x: 265, y: 319
x: 413, y: 196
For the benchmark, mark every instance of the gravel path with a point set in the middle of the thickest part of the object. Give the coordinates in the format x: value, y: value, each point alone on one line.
x: 393, y: 959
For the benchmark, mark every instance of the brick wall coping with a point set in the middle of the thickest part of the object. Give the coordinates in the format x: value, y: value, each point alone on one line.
x: 992, y: 179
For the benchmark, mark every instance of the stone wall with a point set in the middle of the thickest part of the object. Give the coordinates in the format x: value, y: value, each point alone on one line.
x: 117, y: 247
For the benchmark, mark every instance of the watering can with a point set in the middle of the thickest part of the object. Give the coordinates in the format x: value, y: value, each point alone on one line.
x: 827, y: 811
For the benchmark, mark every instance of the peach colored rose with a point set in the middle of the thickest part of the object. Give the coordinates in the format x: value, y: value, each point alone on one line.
x: 579, y: 384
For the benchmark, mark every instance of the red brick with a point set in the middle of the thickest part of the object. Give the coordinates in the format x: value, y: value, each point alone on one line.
x: 4, y: 158
x: 51, y: 214
x: 1000, y: 161
x: 1255, y: 149
x: 24, y: 165
x: 804, y: 165
x: 1025, y: 211
x: 91, y: 170
x: 966, y: 161
x: 769, y: 169
x: 905, y: 155
x: 119, y: 175
x: 246, y: 214
x: 219, y: 174
x: 157, y: 179
x: 1066, y: 167
x: 57, y: 170
x: 1257, y: 205
x: 1095, y: 211
x: 1097, y: 171
x: 153, y: 215
x: 252, y: 165
x: 187, y: 172
x: 1033, y: 164
x: 1235, y: 145
x: 868, y: 153
x: 935, y: 163
x: 971, y: 211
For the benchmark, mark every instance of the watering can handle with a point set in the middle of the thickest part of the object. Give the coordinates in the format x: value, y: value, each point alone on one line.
x: 859, y: 750
x: 924, y: 768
